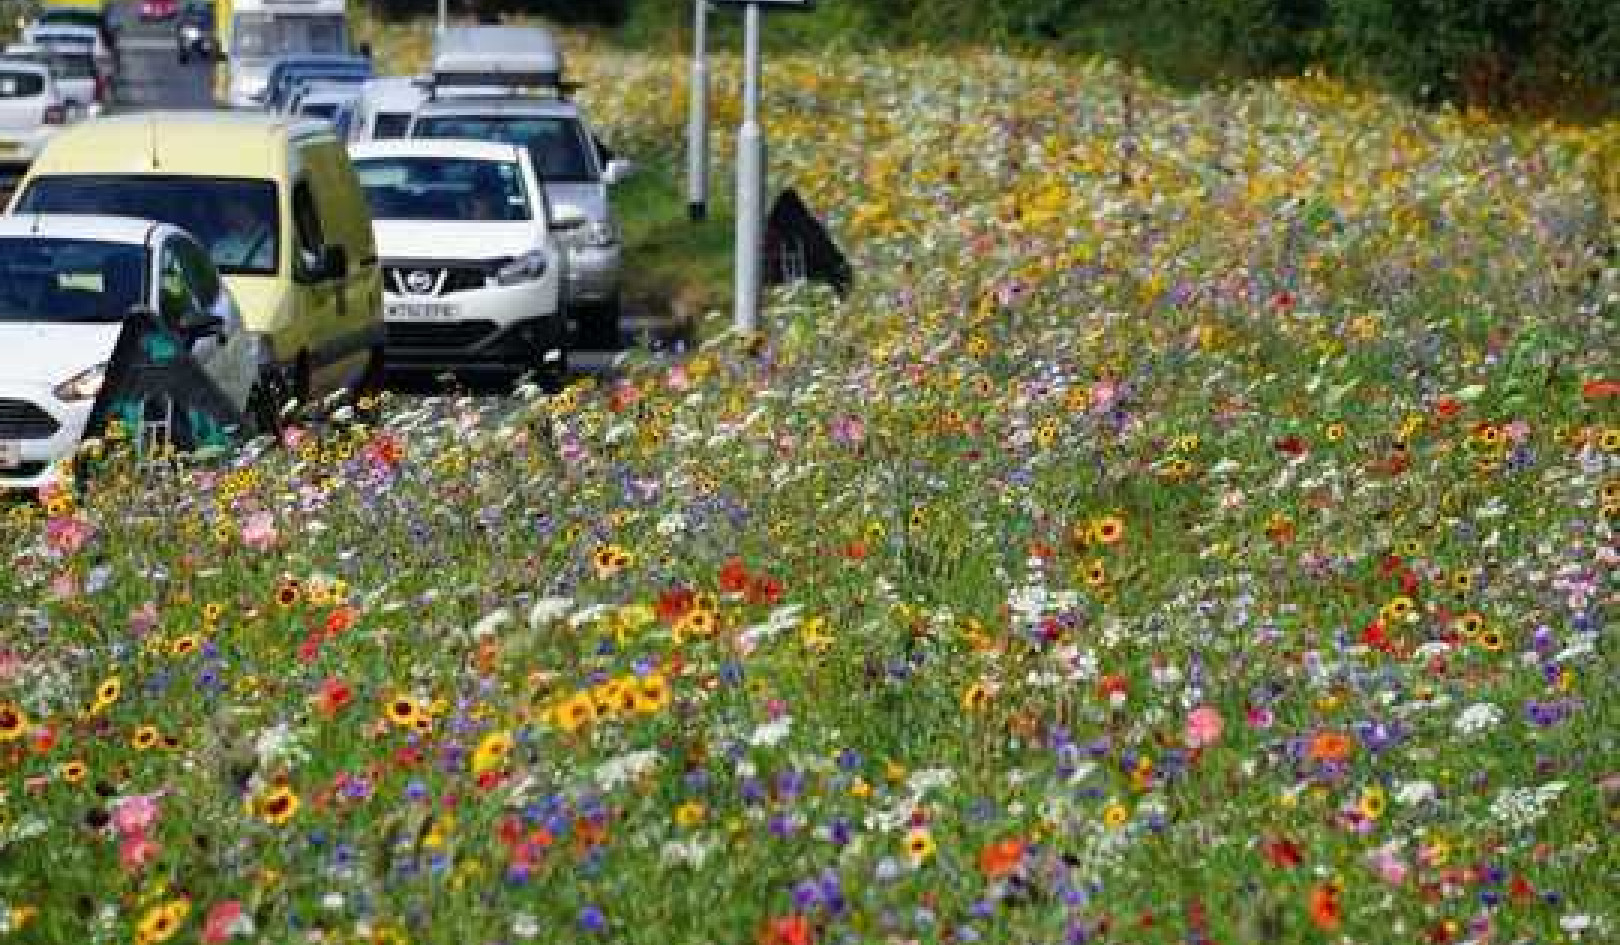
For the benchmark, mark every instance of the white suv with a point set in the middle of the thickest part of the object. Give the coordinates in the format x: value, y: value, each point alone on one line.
x: 66, y: 285
x: 31, y: 111
x: 472, y: 267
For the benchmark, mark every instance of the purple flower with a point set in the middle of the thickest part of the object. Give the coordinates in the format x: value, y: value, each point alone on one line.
x: 591, y: 919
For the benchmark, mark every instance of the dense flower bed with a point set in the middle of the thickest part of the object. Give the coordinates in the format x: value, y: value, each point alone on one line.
x: 1198, y: 526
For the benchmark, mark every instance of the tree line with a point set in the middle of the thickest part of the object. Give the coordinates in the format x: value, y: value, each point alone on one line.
x: 1558, y: 54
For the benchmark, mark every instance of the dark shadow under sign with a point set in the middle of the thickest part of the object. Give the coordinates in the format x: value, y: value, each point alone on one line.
x: 798, y: 247
x: 159, y: 395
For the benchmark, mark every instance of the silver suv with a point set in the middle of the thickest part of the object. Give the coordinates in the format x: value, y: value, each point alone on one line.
x: 503, y: 83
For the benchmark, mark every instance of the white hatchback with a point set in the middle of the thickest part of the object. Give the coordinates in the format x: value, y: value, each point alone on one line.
x: 472, y: 267
x: 66, y: 285
x: 31, y: 110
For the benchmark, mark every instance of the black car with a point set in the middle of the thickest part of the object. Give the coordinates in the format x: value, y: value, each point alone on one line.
x: 194, y: 32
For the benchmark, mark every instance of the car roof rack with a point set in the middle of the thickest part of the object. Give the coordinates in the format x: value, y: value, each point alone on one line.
x: 498, y: 60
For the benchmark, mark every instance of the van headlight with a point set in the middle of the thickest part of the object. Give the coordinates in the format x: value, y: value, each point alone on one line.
x: 526, y: 268
x: 84, y: 385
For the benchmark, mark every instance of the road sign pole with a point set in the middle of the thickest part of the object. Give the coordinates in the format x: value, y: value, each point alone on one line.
x: 697, y: 125
x: 750, y: 181
x: 444, y: 14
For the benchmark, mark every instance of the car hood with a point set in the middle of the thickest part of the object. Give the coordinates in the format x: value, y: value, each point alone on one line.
x: 51, y: 352
x: 439, y: 240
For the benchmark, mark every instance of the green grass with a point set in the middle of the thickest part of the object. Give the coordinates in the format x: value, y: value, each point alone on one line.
x: 674, y: 266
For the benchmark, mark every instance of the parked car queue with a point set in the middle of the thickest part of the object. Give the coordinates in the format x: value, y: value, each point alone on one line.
x: 448, y: 247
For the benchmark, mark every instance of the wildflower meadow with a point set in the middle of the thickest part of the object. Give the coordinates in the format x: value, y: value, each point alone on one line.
x: 1197, y: 526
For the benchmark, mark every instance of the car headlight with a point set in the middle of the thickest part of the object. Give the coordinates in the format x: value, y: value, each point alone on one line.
x: 190, y: 33
x: 600, y: 234
x: 84, y: 385
x: 526, y: 268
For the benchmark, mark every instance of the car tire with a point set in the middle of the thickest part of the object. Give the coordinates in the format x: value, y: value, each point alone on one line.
x: 599, y: 325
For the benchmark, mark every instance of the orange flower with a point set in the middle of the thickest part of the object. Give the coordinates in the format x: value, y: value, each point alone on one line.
x: 1325, y: 909
x: 1001, y: 858
x: 787, y: 930
x: 1330, y: 746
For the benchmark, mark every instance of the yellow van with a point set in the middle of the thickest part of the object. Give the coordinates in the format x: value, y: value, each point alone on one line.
x: 278, y: 207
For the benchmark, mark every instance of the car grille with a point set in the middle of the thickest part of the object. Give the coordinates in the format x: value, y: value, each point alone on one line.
x: 21, y: 420
x: 438, y: 280
x: 437, y: 334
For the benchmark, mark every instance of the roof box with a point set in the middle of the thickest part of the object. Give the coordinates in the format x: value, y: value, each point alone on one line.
x: 498, y: 58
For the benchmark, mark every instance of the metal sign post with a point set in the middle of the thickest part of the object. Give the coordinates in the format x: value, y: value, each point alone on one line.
x: 444, y: 14
x: 697, y: 125
x: 751, y: 168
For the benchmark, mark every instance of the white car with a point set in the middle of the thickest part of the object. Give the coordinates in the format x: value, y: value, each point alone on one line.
x: 77, y: 79
x: 70, y: 38
x: 385, y: 107
x: 66, y: 285
x: 31, y: 110
x: 472, y: 267
x: 322, y: 99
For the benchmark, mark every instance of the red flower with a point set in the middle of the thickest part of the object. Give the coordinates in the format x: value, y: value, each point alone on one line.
x: 1600, y: 390
x: 733, y: 575
x: 855, y: 550
x: 787, y: 930
x: 1001, y: 858
x: 764, y: 590
x: 1292, y: 445
x: 339, y: 620
x: 1110, y: 684
x: 1373, y: 635
x: 673, y: 604
x: 1447, y: 407
x: 334, y: 695
x: 1282, y: 852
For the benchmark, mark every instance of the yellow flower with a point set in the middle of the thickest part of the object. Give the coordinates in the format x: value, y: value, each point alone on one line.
x: 492, y: 752
x: 976, y: 697
x: 1372, y: 802
x: 161, y: 922
x: 650, y: 694
x: 404, y: 711
x: 1114, y: 815
x: 146, y: 736
x: 919, y: 845
x: 74, y: 771
x: 278, y: 806
x: 12, y: 722
x: 690, y: 814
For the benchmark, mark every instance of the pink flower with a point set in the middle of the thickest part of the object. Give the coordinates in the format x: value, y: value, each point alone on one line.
x: 1103, y: 394
x: 135, y: 814
x: 678, y: 379
x: 221, y: 922
x: 1517, y: 432
x: 1204, y: 726
x: 1389, y: 867
x: 134, y: 852
x: 66, y: 535
x: 259, y: 531
x: 64, y: 586
x: 143, y: 620
x: 848, y: 430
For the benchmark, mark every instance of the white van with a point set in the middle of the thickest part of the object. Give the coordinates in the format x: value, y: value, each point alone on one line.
x: 261, y: 30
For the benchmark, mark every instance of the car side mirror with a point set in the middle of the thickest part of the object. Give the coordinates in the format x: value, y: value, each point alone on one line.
x: 617, y: 171
x: 568, y: 220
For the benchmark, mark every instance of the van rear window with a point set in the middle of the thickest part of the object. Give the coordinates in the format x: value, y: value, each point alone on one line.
x: 236, y: 219
x: 21, y: 84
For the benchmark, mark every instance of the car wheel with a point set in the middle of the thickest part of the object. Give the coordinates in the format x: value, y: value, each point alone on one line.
x: 599, y: 325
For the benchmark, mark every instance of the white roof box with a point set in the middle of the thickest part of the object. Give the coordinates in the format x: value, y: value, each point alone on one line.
x: 500, y: 57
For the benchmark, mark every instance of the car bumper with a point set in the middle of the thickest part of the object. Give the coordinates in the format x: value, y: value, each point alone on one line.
x: 498, y: 327
x: 37, y: 430
x: 593, y: 273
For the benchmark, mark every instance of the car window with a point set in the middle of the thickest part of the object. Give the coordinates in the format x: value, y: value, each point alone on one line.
x: 556, y: 144
x: 21, y: 84
x: 390, y: 125
x: 306, y: 222
x: 443, y: 188
x: 69, y: 280
x: 235, y: 218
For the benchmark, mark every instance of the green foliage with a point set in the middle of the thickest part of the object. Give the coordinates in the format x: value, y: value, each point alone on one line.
x: 1557, y: 53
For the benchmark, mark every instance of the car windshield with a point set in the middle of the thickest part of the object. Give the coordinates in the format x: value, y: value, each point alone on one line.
x: 74, y: 65
x: 69, y: 280
x: 556, y: 143
x: 318, y: 109
x: 442, y: 188
x: 259, y: 35
x: 71, y: 17
x: 236, y: 219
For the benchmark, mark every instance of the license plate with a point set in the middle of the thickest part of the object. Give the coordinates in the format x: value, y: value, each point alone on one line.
x: 10, y: 454
x: 432, y: 310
